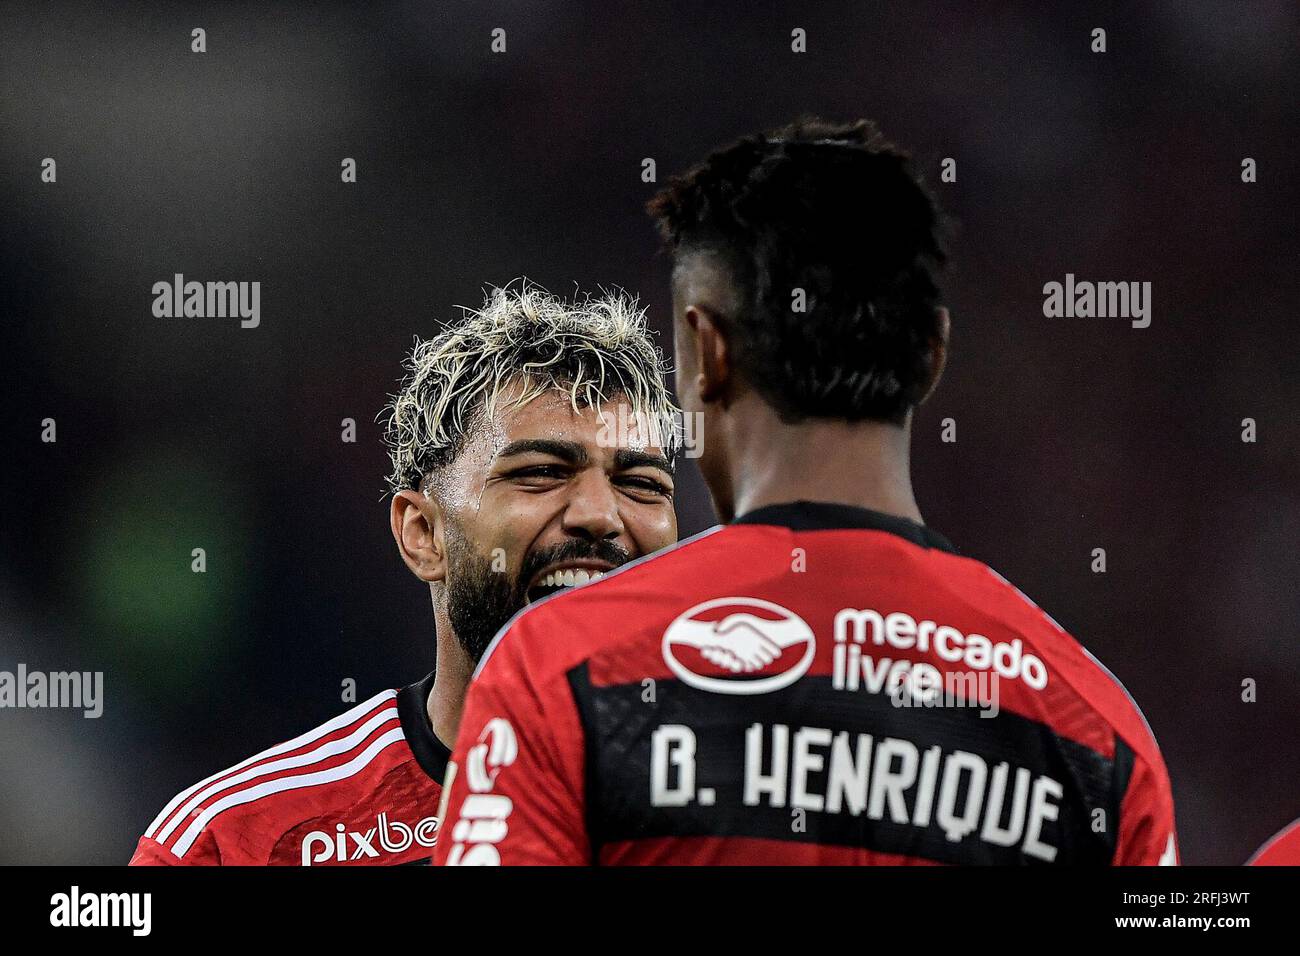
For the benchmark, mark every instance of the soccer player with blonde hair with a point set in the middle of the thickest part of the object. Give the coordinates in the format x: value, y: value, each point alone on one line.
x: 514, y: 476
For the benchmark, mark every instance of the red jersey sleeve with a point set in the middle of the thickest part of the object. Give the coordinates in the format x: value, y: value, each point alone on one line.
x: 149, y: 853
x: 1146, y: 835
x: 514, y: 792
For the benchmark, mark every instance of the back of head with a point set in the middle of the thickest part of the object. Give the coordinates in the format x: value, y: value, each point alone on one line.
x: 831, y: 247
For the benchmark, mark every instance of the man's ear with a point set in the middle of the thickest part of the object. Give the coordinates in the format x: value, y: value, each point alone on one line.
x: 417, y: 526
x: 712, y: 353
x: 939, y: 349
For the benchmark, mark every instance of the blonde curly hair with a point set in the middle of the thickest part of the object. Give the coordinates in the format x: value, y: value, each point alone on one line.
x: 530, y: 342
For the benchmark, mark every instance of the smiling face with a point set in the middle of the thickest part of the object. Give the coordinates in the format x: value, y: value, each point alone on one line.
x: 544, y: 497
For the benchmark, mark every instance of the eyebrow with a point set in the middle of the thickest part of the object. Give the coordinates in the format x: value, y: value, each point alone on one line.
x: 574, y: 454
x: 568, y: 451
x: 626, y: 458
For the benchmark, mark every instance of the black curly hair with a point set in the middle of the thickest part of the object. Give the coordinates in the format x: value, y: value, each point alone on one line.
x: 837, y: 212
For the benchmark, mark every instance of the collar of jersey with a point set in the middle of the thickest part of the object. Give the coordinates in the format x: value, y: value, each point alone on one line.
x: 829, y: 516
x: 413, y: 710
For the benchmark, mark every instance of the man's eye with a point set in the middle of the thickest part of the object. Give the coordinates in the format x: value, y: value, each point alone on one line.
x: 549, y: 472
x: 647, y: 484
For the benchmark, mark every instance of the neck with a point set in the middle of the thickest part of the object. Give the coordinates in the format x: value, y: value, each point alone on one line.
x: 863, y: 464
x: 452, y: 673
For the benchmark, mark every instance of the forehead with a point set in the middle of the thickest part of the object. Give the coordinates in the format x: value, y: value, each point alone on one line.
x: 552, y: 415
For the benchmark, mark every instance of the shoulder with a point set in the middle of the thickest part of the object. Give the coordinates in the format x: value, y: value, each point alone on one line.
x: 243, y: 814
x: 1084, y: 677
x: 1282, y: 850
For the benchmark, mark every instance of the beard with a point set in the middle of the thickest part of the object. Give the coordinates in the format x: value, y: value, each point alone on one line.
x: 482, y: 600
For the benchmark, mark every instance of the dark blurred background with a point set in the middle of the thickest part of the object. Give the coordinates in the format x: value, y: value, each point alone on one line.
x: 477, y: 168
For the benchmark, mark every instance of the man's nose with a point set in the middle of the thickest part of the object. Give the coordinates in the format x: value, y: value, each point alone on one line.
x: 592, y: 510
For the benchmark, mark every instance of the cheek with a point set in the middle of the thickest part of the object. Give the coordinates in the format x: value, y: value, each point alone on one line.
x: 653, y: 528
x: 518, y: 521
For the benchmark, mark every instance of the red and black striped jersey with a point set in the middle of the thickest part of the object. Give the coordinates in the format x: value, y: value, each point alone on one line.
x: 359, y: 789
x: 812, y: 684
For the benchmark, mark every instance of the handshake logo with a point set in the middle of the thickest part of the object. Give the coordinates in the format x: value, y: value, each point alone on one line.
x: 739, y: 645
x: 345, y: 846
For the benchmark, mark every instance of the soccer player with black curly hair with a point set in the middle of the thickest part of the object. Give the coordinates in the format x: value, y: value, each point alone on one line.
x: 824, y: 679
